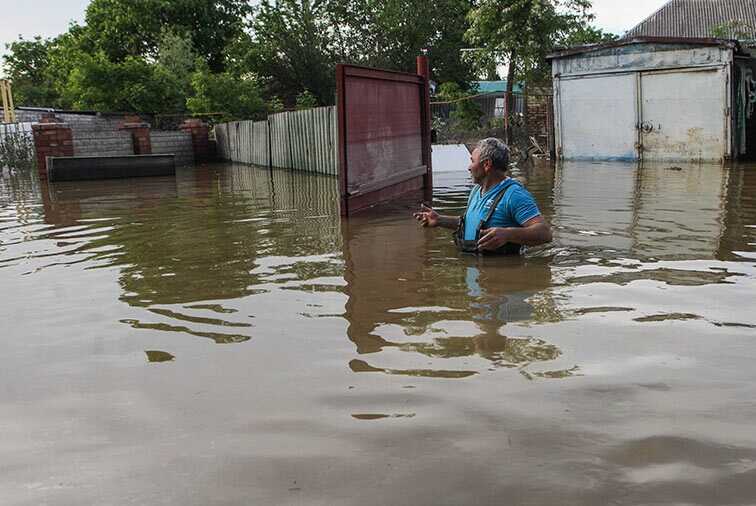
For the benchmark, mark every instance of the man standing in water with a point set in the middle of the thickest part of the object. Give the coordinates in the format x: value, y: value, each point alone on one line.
x: 501, y: 215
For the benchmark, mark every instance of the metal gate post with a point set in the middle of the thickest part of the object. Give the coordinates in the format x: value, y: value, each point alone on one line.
x: 424, y: 71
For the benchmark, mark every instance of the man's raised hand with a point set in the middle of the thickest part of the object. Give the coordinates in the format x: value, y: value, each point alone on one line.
x: 427, y: 216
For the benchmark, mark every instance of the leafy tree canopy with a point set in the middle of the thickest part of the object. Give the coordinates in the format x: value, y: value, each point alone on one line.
x: 520, y: 33
x: 122, y: 28
x: 98, y: 83
x: 25, y: 65
x: 237, y: 98
x: 170, y: 56
x: 734, y: 29
x: 296, y: 43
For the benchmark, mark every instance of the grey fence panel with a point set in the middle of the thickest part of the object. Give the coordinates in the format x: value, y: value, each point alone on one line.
x: 301, y: 140
x: 243, y: 141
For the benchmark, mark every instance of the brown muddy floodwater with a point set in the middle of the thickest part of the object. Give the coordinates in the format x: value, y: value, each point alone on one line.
x: 221, y: 337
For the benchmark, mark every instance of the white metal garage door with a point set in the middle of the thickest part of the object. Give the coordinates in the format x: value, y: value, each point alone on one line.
x: 598, y: 117
x: 684, y: 115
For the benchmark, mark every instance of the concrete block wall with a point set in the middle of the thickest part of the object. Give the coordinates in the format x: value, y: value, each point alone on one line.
x: 173, y: 142
x: 102, y: 135
x: 76, y: 120
x: 25, y: 116
x: 92, y: 142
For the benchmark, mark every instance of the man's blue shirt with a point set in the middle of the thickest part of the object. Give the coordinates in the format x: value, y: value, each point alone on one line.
x: 516, y: 208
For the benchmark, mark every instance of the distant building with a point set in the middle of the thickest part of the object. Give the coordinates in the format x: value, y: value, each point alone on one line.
x: 492, y: 98
x: 655, y: 98
x: 700, y: 19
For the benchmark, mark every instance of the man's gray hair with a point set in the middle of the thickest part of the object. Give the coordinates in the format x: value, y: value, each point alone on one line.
x: 495, y: 150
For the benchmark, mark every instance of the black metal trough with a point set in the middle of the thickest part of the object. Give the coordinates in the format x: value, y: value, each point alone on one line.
x: 78, y: 168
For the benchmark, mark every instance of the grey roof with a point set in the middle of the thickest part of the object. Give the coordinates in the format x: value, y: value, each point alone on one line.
x: 697, y: 18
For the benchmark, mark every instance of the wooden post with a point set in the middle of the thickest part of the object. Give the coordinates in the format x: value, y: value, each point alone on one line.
x: 9, y: 109
x: 507, y: 112
x: 423, y: 70
x: 342, y: 140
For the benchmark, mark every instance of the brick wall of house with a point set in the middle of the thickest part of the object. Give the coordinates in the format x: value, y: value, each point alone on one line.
x: 540, y: 118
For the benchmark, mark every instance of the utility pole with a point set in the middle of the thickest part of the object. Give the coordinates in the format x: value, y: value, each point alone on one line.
x: 9, y: 110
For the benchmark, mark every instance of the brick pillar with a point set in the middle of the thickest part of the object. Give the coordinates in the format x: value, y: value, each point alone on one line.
x: 200, y: 138
x: 140, y: 134
x: 52, y: 137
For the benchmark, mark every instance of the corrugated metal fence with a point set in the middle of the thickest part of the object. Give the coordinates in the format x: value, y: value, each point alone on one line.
x: 301, y: 140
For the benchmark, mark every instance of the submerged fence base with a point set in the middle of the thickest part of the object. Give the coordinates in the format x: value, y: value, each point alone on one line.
x: 77, y: 168
x: 301, y: 140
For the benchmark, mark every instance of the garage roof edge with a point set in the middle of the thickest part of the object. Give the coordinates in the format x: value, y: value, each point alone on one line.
x: 576, y: 50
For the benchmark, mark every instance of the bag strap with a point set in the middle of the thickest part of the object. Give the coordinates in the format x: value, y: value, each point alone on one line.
x: 494, y: 205
x: 459, y: 232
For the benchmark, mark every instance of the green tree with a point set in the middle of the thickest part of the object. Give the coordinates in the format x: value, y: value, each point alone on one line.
x: 466, y: 113
x: 291, y: 49
x: 296, y: 43
x: 734, y: 29
x: 587, y: 34
x: 237, y: 98
x: 26, y: 66
x: 293, y: 46
x: 176, y: 56
x: 275, y: 105
x: 391, y: 33
x: 122, y: 28
x: 520, y: 33
x: 175, y: 53
x: 306, y: 100
x: 133, y: 85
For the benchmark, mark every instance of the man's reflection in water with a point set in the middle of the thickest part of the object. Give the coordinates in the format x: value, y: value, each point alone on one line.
x: 499, y: 291
x: 413, y: 293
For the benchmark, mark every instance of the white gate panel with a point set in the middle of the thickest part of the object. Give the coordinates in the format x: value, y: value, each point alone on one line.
x: 598, y: 117
x: 683, y: 115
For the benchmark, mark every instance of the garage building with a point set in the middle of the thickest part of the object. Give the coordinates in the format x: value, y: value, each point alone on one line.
x: 655, y: 98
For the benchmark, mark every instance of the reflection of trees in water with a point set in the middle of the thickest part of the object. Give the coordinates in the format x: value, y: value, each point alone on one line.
x: 201, y: 236
x: 362, y: 366
x: 501, y: 350
x: 200, y: 240
x: 218, y: 337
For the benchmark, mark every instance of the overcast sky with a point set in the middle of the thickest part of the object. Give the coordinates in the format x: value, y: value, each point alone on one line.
x: 51, y: 17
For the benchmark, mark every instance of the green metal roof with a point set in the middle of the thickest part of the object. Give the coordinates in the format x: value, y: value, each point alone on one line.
x: 495, y: 87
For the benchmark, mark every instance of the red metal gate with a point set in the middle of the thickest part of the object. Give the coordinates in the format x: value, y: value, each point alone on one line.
x: 384, y: 135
